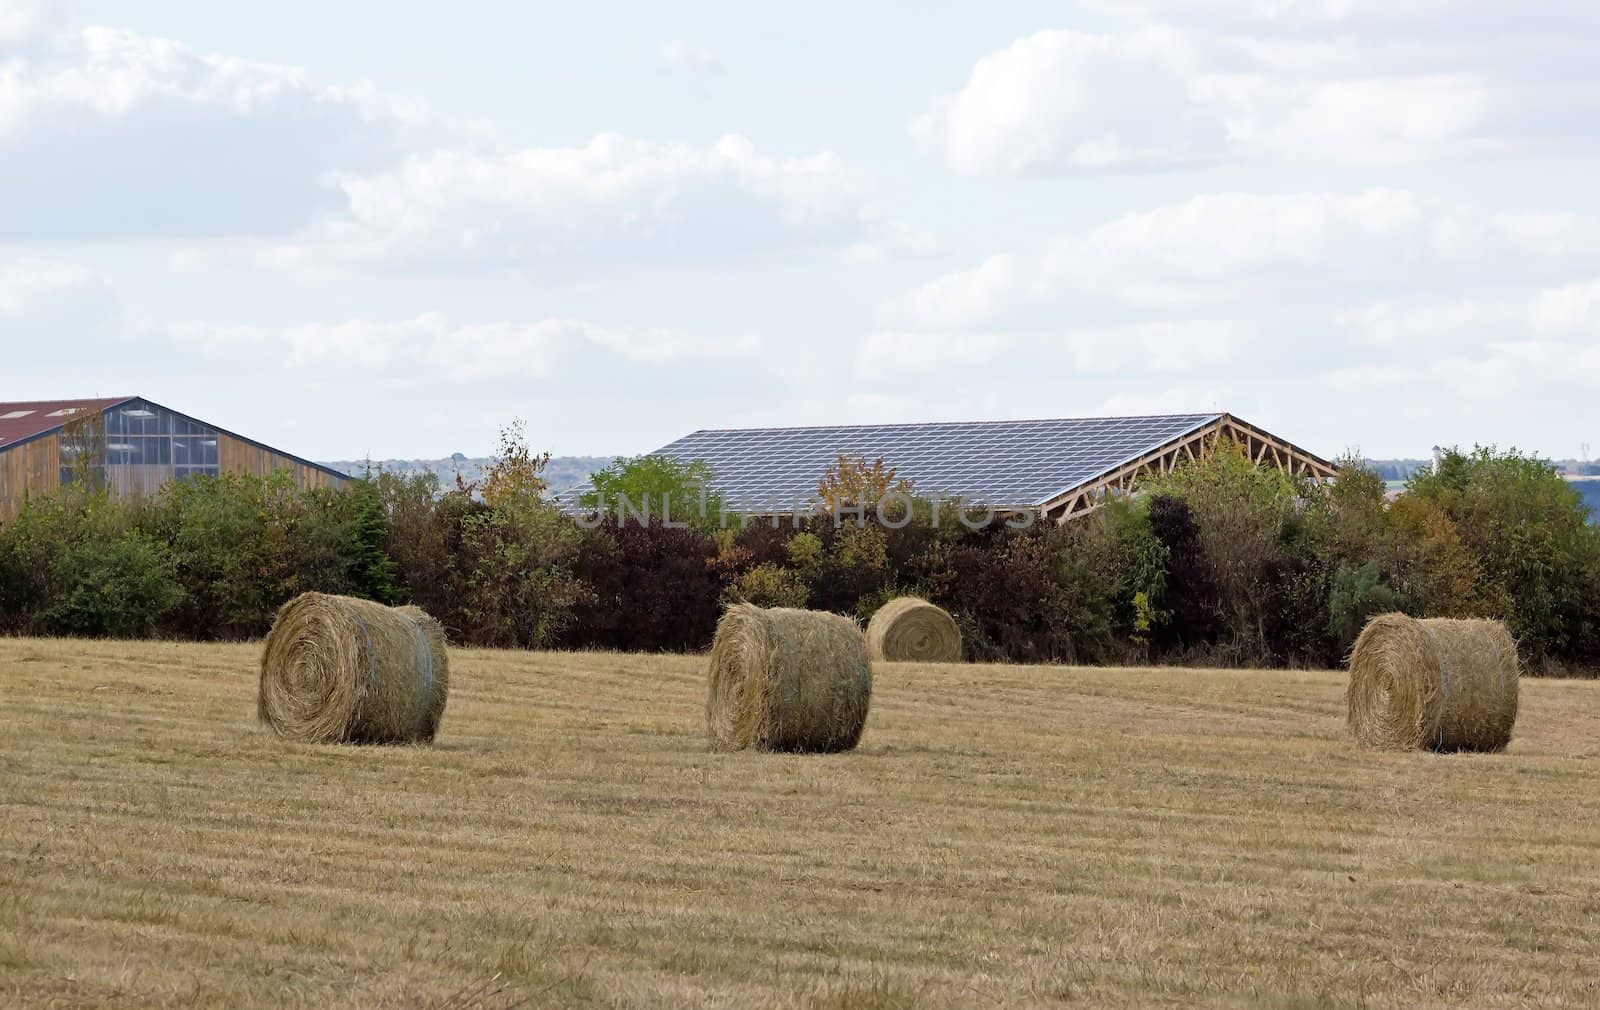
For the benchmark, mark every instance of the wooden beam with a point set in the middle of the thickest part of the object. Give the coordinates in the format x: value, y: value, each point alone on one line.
x: 1259, y: 446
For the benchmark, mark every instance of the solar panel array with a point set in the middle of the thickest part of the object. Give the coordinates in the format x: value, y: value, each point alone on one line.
x: 1003, y: 463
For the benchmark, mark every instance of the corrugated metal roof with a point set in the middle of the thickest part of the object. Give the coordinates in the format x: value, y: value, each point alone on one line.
x: 1004, y: 463
x: 30, y: 419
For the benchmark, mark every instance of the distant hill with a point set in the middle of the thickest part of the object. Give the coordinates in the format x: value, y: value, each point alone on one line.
x: 562, y: 472
x: 1397, y: 470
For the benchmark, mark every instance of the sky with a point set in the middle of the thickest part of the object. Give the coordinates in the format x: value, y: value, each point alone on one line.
x: 388, y: 229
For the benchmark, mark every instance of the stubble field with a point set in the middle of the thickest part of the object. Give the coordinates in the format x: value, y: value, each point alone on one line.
x: 1004, y: 837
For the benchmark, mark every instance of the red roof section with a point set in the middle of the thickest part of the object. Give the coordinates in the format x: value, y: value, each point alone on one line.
x: 22, y: 421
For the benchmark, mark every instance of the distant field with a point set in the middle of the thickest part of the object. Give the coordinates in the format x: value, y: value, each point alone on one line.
x: 1005, y: 837
x: 1589, y: 489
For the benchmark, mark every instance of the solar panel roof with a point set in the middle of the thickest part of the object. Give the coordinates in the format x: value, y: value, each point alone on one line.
x: 1004, y: 463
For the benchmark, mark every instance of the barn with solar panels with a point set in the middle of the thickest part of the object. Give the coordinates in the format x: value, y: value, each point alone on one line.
x: 128, y: 445
x: 1056, y: 468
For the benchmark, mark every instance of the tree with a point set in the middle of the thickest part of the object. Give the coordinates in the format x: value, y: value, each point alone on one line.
x: 1140, y: 562
x: 1529, y: 531
x: 515, y: 574
x: 1243, y: 514
x: 1189, y: 596
x: 423, y: 538
x: 83, y: 447
x: 850, y: 482
x: 659, y: 487
x: 508, y: 564
x: 516, y: 473
x: 1426, y: 561
x: 372, y: 570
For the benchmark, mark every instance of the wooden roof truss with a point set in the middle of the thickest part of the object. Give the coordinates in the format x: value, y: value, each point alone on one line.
x: 1262, y: 447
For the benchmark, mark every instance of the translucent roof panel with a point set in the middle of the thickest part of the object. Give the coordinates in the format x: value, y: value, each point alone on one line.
x: 1004, y: 463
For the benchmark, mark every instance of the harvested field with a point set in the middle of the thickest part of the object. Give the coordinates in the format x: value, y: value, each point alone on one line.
x: 1003, y: 836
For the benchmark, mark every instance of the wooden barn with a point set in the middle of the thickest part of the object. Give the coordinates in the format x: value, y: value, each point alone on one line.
x: 129, y: 445
x: 1059, y: 469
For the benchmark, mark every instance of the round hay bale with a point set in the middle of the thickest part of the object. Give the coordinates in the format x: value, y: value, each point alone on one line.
x: 908, y: 629
x: 341, y: 670
x: 787, y: 680
x: 1436, y: 684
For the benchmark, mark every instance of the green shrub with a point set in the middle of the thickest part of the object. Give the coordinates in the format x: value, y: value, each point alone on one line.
x: 1137, y: 561
x: 1028, y: 596
x: 112, y: 587
x: 1358, y: 594
x: 241, y: 546
x: 853, y: 565
x: 29, y: 543
x: 805, y: 551
x: 71, y: 564
x: 769, y: 585
x: 518, y: 587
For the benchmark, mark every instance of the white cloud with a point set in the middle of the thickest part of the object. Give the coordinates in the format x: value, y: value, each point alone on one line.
x: 1376, y: 119
x: 1154, y: 346
x: 683, y: 58
x: 26, y: 282
x: 1169, y: 400
x: 1073, y: 101
x: 21, y: 20
x: 1205, y: 249
x: 434, y: 346
x: 1217, y: 234
x: 660, y: 346
x: 896, y: 359
x: 106, y: 133
x: 1444, y: 18
x: 48, y: 309
x: 611, y: 200
x: 1390, y: 324
x: 1572, y: 308
x: 1219, y: 249
x: 1295, y: 305
x: 887, y: 355
x: 967, y: 298
x: 1320, y: 83
x: 1556, y: 361
x: 1505, y: 374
